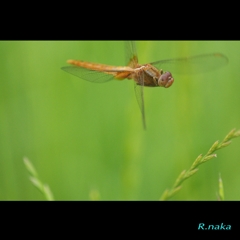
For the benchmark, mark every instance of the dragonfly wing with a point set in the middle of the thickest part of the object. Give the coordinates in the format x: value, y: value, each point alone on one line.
x: 195, y: 64
x: 132, y: 61
x: 89, y: 75
x: 131, y: 54
x: 139, y: 92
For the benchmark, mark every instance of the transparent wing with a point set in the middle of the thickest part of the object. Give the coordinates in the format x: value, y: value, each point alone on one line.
x: 89, y: 75
x: 132, y: 61
x: 131, y: 54
x: 195, y: 64
x: 139, y: 92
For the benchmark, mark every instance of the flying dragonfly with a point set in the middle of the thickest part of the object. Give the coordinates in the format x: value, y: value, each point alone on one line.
x: 145, y: 75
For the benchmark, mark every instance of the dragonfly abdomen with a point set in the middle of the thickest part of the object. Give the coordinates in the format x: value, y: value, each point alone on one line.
x: 98, y: 66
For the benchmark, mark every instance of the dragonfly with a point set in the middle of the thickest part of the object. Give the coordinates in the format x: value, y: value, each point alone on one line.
x: 145, y: 75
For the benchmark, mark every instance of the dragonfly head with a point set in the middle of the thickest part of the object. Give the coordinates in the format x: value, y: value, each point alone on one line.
x: 165, y: 80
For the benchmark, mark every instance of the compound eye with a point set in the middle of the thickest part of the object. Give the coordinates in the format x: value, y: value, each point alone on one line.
x: 165, y: 80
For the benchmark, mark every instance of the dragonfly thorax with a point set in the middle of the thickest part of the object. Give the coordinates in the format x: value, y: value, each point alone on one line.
x: 150, y: 76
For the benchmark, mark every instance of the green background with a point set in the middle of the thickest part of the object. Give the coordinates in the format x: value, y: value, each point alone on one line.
x: 86, y: 138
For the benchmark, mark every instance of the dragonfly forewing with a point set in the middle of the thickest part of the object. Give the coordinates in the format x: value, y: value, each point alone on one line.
x: 139, y: 92
x: 192, y: 65
x: 132, y: 61
x: 131, y: 54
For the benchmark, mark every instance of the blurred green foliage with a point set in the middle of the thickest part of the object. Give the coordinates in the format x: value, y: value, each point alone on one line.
x: 84, y: 137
